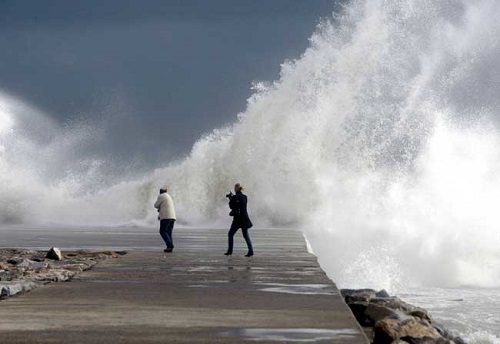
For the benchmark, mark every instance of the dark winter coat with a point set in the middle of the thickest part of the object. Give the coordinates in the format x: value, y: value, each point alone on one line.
x: 238, y: 205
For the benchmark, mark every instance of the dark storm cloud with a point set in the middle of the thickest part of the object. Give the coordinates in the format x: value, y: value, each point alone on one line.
x: 55, y: 12
x: 154, y: 74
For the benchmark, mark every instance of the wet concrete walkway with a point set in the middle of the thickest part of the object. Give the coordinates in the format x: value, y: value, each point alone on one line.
x: 193, y: 295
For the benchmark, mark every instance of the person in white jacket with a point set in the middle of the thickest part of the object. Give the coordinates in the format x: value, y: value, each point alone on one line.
x: 166, y: 215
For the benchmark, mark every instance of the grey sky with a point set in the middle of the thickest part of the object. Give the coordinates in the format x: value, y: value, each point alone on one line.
x: 155, y: 74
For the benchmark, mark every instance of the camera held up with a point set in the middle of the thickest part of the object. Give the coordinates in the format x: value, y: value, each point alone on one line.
x: 233, y: 203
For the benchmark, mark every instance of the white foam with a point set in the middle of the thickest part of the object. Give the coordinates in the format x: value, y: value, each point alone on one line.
x: 380, y: 143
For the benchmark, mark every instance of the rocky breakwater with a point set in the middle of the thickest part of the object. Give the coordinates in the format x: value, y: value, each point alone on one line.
x: 23, y: 270
x: 389, y: 320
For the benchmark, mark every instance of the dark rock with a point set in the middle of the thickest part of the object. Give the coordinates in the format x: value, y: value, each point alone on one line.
x: 376, y: 313
x: 418, y: 328
x: 345, y: 292
x: 382, y: 294
x: 395, y: 321
x: 421, y: 313
x: 386, y: 331
x: 364, y: 298
x: 14, y: 261
x: 395, y: 303
x: 54, y: 254
x: 358, y: 309
x: 442, y: 330
x: 390, y: 330
x: 357, y: 295
x: 447, y: 334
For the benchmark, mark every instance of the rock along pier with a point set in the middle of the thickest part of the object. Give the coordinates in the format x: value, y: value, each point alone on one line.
x: 193, y: 295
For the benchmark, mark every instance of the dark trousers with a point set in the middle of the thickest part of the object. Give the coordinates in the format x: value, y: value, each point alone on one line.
x: 166, y: 228
x: 230, y: 240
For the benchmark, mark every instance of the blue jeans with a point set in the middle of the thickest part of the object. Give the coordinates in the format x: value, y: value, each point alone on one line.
x: 166, y: 228
x: 234, y: 228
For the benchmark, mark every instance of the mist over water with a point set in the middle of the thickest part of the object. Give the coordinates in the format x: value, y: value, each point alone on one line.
x: 47, y: 175
x: 381, y: 143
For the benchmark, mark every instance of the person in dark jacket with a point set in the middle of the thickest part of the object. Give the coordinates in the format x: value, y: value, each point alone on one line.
x: 239, y: 212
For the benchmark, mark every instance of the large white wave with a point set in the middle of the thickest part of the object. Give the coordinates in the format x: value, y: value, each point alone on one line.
x: 46, y: 179
x: 381, y: 143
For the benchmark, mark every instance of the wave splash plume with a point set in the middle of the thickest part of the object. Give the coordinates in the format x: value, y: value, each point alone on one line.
x: 381, y: 142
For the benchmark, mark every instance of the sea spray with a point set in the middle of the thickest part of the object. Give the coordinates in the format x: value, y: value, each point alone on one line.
x: 368, y: 144
x: 46, y: 179
x: 380, y: 142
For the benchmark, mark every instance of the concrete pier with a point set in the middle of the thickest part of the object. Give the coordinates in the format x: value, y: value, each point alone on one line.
x: 193, y: 295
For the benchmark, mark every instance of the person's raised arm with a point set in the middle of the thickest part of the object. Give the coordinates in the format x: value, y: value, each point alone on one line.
x: 158, y: 202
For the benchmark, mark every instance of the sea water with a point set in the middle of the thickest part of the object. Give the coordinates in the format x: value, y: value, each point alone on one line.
x: 472, y: 312
x: 381, y: 143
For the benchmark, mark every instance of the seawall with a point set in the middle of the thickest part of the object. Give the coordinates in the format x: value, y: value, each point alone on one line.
x: 194, y: 294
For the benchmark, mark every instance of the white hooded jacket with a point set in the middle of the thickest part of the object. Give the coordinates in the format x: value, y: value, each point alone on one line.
x: 165, y: 205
